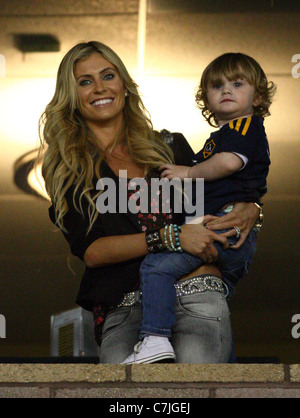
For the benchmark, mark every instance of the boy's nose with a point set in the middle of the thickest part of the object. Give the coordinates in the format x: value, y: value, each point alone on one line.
x: 226, y: 89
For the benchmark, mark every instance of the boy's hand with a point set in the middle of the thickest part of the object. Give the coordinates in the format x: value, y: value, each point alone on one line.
x: 171, y: 171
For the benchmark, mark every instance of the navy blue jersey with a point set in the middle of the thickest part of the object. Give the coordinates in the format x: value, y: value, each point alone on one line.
x: 244, y: 136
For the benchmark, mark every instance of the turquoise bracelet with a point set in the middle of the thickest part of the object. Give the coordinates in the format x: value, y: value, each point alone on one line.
x: 174, y: 246
x: 177, y: 230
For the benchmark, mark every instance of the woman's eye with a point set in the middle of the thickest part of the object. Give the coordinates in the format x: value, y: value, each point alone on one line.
x: 109, y: 76
x: 84, y: 82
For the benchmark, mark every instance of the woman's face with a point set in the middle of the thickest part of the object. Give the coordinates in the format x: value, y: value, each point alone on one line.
x: 100, y: 89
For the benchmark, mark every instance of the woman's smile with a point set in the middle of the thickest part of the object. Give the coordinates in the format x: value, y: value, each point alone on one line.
x: 102, y: 102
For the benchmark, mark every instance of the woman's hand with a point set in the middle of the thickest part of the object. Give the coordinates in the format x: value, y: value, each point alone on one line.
x: 198, y: 240
x: 243, y: 215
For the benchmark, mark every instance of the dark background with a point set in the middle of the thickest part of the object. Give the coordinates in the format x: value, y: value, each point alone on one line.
x: 182, y: 38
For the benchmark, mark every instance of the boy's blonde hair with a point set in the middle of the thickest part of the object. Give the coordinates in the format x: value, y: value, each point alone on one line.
x: 235, y: 66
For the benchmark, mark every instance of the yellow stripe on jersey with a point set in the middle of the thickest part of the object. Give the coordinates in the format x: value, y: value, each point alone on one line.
x: 238, y: 124
x: 248, y: 121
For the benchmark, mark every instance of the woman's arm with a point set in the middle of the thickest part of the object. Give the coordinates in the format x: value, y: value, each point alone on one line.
x: 194, y: 239
x: 244, y: 215
x: 115, y: 249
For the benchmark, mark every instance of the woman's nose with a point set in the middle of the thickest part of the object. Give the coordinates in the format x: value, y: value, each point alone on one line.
x: 99, y: 86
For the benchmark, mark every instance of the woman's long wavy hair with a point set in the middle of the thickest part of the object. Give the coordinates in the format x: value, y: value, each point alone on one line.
x: 235, y: 65
x: 70, y: 154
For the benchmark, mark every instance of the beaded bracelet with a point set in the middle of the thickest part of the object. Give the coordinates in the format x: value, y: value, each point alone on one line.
x: 177, y: 230
x: 166, y: 239
x: 174, y: 247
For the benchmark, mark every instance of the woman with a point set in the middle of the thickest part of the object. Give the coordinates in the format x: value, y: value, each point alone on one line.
x: 96, y: 127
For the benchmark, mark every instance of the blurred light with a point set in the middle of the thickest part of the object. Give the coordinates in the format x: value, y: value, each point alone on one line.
x: 29, y: 177
x: 36, y: 182
x: 141, y: 37
x: 171, y: 104
x: 21, y: 103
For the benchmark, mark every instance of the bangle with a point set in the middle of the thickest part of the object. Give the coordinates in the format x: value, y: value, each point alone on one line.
x: 154, y: 241
x: 177, y: 230
x: 174, y: 247
x: 260, y: 220
x: 166, y: 239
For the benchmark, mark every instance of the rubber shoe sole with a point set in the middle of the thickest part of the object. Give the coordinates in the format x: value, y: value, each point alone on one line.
x: 157, y: 358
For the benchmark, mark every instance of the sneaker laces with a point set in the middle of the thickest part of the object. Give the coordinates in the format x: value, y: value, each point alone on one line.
x: 137, y: 348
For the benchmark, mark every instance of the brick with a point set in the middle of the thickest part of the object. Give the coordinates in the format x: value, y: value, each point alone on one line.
x: 24, y: 392
x: 295, y: 372
x: 25, y: 373
x: 258, y: 393
x: 132, y: 393
x: 208, y: 373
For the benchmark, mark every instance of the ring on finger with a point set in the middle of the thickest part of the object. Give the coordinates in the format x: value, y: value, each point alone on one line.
x: 238, y: 231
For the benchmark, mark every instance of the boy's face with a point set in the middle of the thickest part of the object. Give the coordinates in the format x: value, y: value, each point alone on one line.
x: 231, y: 99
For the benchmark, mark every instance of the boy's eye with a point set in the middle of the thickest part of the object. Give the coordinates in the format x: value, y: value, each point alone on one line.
x: 237, y: 84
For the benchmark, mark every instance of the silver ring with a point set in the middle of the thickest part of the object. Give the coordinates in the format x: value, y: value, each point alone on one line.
x: 238, y: 231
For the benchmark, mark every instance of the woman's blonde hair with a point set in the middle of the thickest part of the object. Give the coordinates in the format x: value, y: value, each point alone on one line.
x: 235, y: 66
x: 71, y: 156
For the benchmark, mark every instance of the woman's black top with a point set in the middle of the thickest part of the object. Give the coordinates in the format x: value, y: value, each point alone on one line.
x: 107, y: 284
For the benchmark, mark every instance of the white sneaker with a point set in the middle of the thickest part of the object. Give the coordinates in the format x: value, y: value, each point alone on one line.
x: 151, y: 350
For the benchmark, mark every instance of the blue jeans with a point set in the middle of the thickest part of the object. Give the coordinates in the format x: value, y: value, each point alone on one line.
x: 160, y: 271
x: 201, y: 333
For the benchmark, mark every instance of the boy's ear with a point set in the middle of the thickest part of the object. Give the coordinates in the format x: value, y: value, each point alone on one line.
x: 207, y: 104
x: 257, y: 99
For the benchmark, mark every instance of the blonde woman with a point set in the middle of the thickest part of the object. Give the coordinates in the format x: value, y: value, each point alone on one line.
x: 96, y: 131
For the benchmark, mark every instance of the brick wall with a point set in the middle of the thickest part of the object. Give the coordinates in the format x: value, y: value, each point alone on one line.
x: 177, y: 381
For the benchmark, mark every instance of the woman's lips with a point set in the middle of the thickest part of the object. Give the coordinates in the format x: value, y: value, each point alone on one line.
x: 102, y: 102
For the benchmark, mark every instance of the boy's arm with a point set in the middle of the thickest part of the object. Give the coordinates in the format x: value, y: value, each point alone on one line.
x: 220, y: 165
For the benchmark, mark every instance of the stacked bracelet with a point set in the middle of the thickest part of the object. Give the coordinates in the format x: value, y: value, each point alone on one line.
x: 166, y: 239
x: 170, y: 244
x: 154, y: 241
